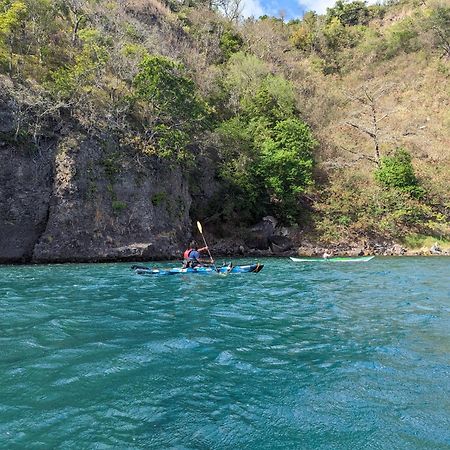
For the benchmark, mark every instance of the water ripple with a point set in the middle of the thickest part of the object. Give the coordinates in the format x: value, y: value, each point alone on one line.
x: 298, y: 356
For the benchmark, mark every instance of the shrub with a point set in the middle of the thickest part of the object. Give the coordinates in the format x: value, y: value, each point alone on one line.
x: 273, y: 101
x: 12, y: 15
x: 401, y: 37
x: 439, y: 24
x: 230, y: 43
x: 118, y: 206
x: 158, y: 198
x: 70, y: 80
x: 397, y: 172
x: 267, y: 153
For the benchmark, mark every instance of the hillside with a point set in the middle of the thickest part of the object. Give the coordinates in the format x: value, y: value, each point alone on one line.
x: 121, y: 123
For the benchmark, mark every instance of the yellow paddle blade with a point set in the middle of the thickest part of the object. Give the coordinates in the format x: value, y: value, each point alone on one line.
x: 199, y: 226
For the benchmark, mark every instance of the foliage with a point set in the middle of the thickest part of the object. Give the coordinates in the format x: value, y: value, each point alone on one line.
x: 243, y: 76
x: 230, y: 43
x: 348, y: 210
x: 401, y: 37
x: 92, y: 65
x: 286, y: 165
x: 273, y: 101
x: 397, y: 172
x: 305, y: 34
x: 349, y: 13
x: 438, y: 22
x: 418, y: 240
x: 69, y: 81
x: 267, y: 152
x: 158, y: 198
x: 118, y: 206
x: 175, y: 110
x: 164, y: 85
x: 12, y: 13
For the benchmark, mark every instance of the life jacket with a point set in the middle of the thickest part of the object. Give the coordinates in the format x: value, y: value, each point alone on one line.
x: 187, y: 253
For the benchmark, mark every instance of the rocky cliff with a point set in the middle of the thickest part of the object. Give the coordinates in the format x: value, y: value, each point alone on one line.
x: 83, y: 197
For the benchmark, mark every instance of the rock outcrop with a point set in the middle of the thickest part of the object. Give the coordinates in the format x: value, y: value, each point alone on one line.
x: 107, y: 205
x: 83, y: 197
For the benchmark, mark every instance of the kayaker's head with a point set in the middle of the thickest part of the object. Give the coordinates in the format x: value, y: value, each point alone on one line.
x: 193, y: 245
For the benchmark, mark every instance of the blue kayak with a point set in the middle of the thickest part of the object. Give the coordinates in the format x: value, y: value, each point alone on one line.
x: 201, y: 270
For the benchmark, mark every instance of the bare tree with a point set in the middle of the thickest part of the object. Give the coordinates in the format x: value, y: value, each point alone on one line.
x: 232, y: 9
x: 368, y: 117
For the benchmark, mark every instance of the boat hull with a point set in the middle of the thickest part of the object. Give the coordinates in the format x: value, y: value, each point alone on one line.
x: 249, y: 268
x: 335, y: 259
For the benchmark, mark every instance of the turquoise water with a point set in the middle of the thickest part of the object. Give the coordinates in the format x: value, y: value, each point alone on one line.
x: 299, y: 356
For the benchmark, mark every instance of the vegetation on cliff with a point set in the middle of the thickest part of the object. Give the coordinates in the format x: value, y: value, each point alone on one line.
x: 338, y: 122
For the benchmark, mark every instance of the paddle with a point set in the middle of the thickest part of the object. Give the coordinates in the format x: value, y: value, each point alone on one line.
x: 199, y: 226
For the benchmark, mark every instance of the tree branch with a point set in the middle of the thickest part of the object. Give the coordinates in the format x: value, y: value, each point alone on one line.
x: 364, y: 130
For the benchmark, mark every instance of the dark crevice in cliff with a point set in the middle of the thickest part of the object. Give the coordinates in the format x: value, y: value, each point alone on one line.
x: 41, y: 227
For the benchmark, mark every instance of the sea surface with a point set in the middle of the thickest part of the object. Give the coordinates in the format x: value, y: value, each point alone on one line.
x: 299, y: 356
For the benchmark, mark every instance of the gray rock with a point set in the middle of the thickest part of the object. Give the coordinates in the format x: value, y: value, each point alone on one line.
x: 258, y: 235
x: 280, y: 244
x: 398, y: 250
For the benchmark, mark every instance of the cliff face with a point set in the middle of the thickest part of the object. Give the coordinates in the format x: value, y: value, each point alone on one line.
x: 79, y: 198
x: 25, y: 189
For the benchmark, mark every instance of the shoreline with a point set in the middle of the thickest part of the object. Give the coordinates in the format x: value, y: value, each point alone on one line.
x: 226, y: 257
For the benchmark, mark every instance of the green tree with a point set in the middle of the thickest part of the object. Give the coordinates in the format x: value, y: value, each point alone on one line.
x: 286, y: 165
x: 173, y: 106
x: 439, y: 23
x: 244, y: 74
x: 273, y: 101
x: 71, y: 80
x: 349, y: 13
x: 402, y: 37
x: 266, y: 152
x: 305, y: 34
x: 12, y: 15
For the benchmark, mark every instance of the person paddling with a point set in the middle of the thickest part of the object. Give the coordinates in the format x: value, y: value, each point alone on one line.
x: 192, y: 256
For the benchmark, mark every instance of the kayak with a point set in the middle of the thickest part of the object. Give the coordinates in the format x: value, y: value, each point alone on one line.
x: 335, y: 259
x: 201, y: 270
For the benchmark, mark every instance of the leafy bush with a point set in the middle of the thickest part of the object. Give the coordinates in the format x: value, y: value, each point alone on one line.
x: 347, y: 211
x: 230, y: 43
x: 305, y: 34
x: 401, y: 37
x: 82, y: 75
x: 439, y: 24
x: 244, y: 74
x: 397, y: 172
x: 158, y: 198
x: 273, y: 101
x: 118, y: 206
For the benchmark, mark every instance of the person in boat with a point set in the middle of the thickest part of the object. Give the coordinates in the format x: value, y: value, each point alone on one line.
x: 192, y: 256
